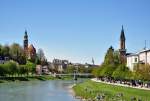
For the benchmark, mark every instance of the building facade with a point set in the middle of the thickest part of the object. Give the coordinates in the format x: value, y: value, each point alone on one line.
x: 132, y: 60
x: 60, y: 65
x: 142, y: 57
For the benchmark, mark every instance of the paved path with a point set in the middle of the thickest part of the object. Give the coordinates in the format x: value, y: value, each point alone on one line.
x: 117, y: 84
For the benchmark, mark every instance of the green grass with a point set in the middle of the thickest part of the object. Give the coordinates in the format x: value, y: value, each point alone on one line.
x: 33, y: 78
x: 41, y: 78
x: 27, y: 78
x: 90, y: 89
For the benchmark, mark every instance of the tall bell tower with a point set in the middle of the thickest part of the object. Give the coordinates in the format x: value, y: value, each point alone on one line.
x: 25, y: 42
x: 122, y: 49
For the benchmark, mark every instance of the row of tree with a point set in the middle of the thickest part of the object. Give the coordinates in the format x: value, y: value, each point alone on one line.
x: 16, y: 52
x: 18, y: 63
x: 79, y: 69
x: 12, y: 68
x: 112, y: 67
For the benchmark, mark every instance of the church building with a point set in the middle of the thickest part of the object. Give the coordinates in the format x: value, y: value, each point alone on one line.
x: 131, y: 59
x: 29, y: 50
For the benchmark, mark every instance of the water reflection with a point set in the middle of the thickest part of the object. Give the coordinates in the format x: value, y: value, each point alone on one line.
x: 37, y: 91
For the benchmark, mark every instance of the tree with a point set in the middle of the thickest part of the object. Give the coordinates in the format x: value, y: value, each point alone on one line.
x: 107, y: 70
x: 14, y: 51
x: 116, y: 58
x: 109, y: 57
x: 12, y: 67
x: 5, y: 50
x: 142, y: 71
x: 17, y: 53
x: 96, y: 71
x: 37, y: 60
x: 70, y: 69
x: 23, y: 69
x: 89, y: 69
x: 22, y: 59
x: 110, y: 63
x: 30, y: 67
x: 121, y: 72
x: 41, y: 57
x: 2, y: 70
x: 40, y: 54
x: 81, y: 69
x: 1, y: 50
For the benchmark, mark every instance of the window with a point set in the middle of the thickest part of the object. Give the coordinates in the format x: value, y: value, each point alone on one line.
x: 135, y: 59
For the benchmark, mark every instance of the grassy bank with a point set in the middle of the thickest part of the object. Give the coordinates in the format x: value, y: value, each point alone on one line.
x: 31, y: 78
x: 90, y: 89
x: 25, y: 78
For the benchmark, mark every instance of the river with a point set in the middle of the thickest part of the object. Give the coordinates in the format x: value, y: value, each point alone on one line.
x: 54, y: 90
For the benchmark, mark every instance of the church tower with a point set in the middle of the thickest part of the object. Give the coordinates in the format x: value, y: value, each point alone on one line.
x: 122, y: 49
x: 25, y: 42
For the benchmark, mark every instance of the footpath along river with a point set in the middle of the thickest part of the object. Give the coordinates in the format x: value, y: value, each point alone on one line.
x: 54, y: 90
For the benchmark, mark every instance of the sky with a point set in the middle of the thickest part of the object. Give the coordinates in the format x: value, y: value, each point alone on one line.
x: 77, y: 30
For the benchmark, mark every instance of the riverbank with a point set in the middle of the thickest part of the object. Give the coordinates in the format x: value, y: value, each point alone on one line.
x: 32, y: 78
x: 119, y: 84
x: 96, y: 90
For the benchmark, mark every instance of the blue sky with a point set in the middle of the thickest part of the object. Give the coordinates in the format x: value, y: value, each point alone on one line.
x: 76, y: 30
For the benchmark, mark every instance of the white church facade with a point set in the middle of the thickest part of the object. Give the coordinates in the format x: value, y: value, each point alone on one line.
x: 142, y: 57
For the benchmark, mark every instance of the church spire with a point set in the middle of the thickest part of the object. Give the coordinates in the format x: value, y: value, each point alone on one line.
x: 25, y: 34
x: 25, y: 42
x: 122, y: 36
x: 122, y: 49
x: 122, y: 39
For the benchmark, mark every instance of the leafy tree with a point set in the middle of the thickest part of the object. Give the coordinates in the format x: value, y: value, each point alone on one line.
x: 96, y: 71
x: 110, y: 63
x: 89, y: 69
x: 81, y: 69
x: 116, y: 58
x: 17, y: 53
x: 41, y: 57
x: 1, y: 50
x: 122, y: 72
x: 30, y: 67
x: 107, y: 70
x: 109, y: 57
x: 142, y: 71
x: 22, y: 59
x: 12, y: 67
x: 70, y: 69
x: 2, y: 70
x: 23, y: 69
x: 5, y: 50
x: 40, y: 54
x: 37, y: 60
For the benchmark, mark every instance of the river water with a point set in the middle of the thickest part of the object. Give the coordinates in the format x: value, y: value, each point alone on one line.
x: 54, y: 90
